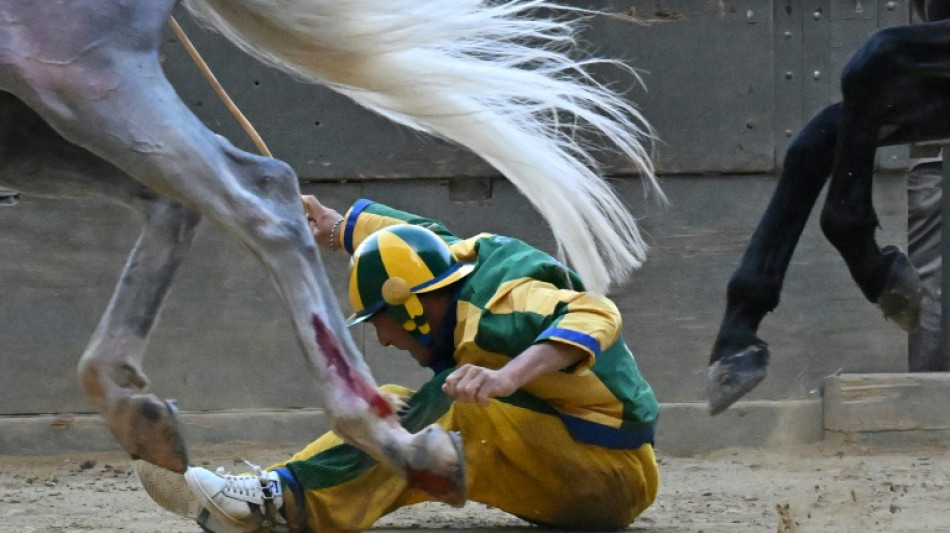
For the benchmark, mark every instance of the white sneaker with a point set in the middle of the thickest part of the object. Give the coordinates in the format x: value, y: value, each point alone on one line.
x: 246, y: 503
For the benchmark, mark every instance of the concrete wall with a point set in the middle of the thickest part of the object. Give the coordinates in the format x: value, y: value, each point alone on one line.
x: 224, y: 341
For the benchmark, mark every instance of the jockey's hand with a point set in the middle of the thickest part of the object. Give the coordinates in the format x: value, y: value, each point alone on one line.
x: 470, y: 383
x: 321, y: 220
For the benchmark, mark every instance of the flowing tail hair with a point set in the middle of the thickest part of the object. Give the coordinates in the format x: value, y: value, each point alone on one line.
x: 493, y: 76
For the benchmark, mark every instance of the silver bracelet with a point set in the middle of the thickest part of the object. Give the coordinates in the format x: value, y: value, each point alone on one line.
x: 333, y: 231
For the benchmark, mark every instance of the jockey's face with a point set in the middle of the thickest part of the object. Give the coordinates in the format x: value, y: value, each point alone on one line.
x: 390, y: 333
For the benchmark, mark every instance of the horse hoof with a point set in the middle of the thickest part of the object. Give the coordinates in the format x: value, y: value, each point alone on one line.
x: 437, y: 465
x: 168, y: 489
x: 147, y: 429
x: 732, y: 376
x: 900, y: 298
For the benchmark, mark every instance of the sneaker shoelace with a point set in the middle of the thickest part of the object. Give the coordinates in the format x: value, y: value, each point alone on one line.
x: 245, y: 485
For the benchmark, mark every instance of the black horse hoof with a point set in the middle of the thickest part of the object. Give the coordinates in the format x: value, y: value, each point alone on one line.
x: 900, y: 298
x: 732, y: 376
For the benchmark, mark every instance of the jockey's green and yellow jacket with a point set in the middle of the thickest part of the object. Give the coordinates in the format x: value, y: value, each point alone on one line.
x: 517, y: 296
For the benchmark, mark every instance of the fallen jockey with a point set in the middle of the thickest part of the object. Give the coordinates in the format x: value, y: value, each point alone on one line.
x: 556, y: 420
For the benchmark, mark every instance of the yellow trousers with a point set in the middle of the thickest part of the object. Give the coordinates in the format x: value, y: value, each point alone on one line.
x: 517, y: 460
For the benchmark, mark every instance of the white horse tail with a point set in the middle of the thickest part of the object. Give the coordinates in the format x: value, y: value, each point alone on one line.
x: 493, y: 76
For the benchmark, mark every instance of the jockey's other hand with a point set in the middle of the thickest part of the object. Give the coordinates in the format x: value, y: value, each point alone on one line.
x: 471, y: 383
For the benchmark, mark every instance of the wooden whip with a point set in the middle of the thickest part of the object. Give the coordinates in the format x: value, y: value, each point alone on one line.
x: 206, y: 71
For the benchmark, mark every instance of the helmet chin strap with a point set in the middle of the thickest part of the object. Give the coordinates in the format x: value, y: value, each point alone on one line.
x: 427, y: 340
x: 415, y: 321
x: 406, y: 308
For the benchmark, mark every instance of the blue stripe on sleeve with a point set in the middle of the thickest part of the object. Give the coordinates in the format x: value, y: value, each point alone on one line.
x: 572, y: 336
x: 355, y: 212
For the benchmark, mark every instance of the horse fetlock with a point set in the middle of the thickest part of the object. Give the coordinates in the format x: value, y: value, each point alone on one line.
x: 129, y: 376
x: 436, y: 465
x: 147, y: 428
x: 900, y: 299
x: 92, y: 386
x: 731, y: 377
x: 754, y: 291
x: 431, y: 460
x: 105, y: 382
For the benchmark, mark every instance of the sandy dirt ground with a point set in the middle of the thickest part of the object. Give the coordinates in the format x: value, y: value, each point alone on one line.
x: 810, y: 489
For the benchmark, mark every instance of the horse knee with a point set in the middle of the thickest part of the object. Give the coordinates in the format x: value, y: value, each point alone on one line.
x: 270, y: 212
x: 268, y: 178
x: 263, y: 177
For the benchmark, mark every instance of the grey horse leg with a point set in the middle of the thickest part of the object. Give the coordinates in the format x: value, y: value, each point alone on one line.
x: 36, y: 160
x: 144, y: 424
x: 92, y: 71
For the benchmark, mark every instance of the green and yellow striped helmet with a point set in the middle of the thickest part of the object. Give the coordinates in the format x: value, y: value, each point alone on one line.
x: 394, y: 264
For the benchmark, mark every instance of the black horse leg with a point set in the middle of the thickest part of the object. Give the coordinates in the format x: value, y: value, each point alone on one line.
x: 739, y: 358
x: 885, y: 276
x: 896, y: 90
x: 912, y: 105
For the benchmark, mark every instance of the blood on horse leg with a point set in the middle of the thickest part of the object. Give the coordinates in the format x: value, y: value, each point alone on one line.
x: 344, y: 373
x: 432, y: 460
